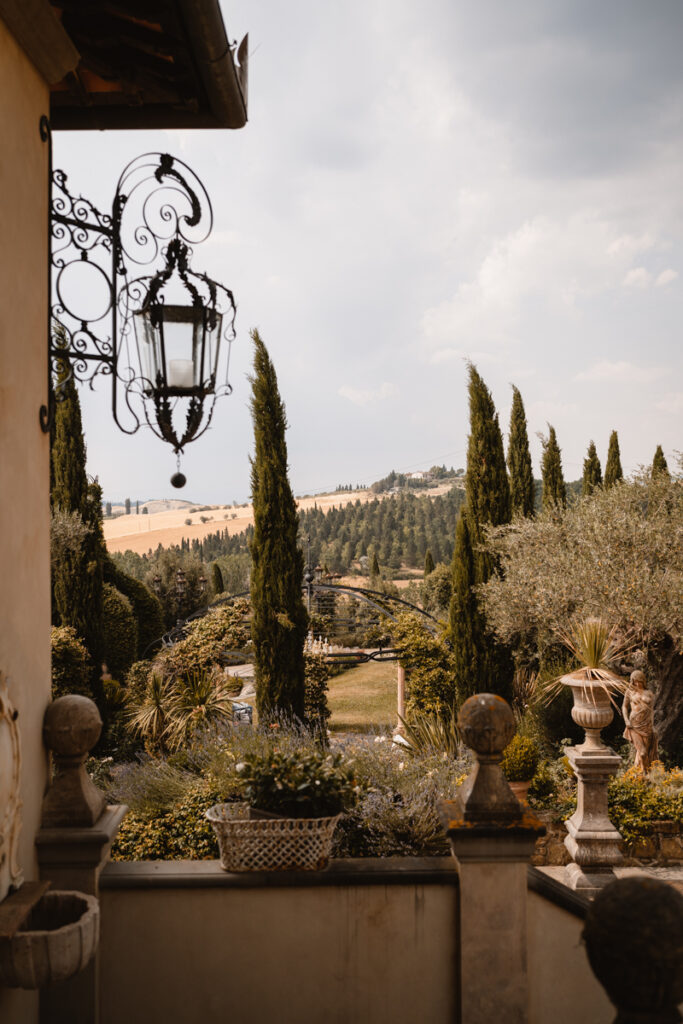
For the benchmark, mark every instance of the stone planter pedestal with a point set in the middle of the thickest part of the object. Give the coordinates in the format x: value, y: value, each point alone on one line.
x: 593, y: 842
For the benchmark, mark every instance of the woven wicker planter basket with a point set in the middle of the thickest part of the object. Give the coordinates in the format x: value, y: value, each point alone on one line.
x: 276, y: 844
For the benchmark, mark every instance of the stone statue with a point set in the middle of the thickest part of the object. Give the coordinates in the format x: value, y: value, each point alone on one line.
x: 638, y: 712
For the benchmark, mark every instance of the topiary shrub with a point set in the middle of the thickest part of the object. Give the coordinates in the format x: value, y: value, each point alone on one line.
x: 316, y: 708
x: 120, y: 632
x: 136, y: 680
x: 428, y: 662
x: 206, y: 640
x: 147, y: 608
x: 71, y: 664
x: 521, y: 758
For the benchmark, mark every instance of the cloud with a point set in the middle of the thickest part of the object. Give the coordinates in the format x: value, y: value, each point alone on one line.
x: 637, y: 277
x: 364, y: 396
x: 545, y: 262
x: 666, y: 277
x: 671, y: 403
x: 620, y: 372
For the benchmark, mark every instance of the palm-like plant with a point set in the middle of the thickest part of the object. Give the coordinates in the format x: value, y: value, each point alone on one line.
x: 432, y: 734
x: 199, y: 698
x: 149, y: 719
x: 597, y: 646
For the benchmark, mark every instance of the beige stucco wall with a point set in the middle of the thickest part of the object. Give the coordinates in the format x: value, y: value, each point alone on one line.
x: 343, y: 955
x: 562, y: 987
x: 24, y: 473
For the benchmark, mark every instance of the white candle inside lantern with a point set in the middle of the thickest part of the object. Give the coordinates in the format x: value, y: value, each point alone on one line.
x: 180, y: 373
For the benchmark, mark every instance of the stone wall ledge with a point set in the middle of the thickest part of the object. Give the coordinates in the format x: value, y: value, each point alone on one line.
x: 187, y: 874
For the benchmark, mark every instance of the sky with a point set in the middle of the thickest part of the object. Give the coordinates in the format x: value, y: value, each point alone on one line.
x: 418, y: 185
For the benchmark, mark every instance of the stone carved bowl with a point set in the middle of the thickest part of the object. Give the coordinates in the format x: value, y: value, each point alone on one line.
x: 58, y: 940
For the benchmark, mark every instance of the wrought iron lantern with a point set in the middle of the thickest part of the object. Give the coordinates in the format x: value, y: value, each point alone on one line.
x: 180, y: 584
x: 163, y: 338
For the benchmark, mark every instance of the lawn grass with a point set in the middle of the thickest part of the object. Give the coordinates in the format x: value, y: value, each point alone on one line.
x: 363, y: 699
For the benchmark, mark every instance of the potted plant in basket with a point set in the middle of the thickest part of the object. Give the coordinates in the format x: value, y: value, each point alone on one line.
x: 519, y: 764
x: 292, y: 803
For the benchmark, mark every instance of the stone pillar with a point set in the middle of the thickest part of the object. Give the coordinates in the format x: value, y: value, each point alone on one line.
x: 593, y: 842
x: 73, y: 843
x: 492, y: 839
x: 400, y: 696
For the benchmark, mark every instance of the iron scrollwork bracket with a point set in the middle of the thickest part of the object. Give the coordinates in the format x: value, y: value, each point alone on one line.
x: 159, y: 211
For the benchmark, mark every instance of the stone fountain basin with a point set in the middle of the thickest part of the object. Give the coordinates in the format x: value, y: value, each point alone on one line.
x: 57, y: 940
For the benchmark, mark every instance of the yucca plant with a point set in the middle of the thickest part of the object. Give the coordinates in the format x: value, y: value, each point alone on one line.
x: 432, y: 734
x: 597, y: 647
x: 198, y: 698
x: 149, y: 719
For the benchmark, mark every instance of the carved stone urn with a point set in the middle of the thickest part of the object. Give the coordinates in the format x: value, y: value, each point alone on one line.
x: 592, y: 707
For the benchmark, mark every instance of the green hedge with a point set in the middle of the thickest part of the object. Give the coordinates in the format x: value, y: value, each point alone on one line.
x: 119, y: 632
x: 71, y: 664
x: 147, y: 608
x: 180, y: 833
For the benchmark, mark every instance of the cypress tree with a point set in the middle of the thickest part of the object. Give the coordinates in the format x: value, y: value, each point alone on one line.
x: 466, y: 625
x: 613, y: 470
x: 77, y: 579
x: 659, y: 464
x: 217, y: 579
x: 279, y: 619
x: 374, y: 568
x: 429, y: 563
x: 482, y: 664
x: 592, y: 473
x: 519, y: 459
x: 554, y: 490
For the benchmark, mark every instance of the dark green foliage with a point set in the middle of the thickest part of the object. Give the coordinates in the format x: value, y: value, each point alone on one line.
x: 217, y: 579
x: 279, y: 619
x: 120, y: 633
x: 71, y: 665
x: 429, y: 563
x: 466, y: 620
x: 179, y: 832
x: 428, y: 663
x: 487, y: 489
x: 592, y: 473
x: 107, y: 509
x: 77, y: 576
x: 316, y: 708
x: 659, y: 464
x: 297, y: 784
x: 127, y: 506
x: 147, y: 608
x: 481, y: 663
x: 613, y: 470
x: 520, y: 759
x: 374, y: 568
x: 437, y: 590
x: 70, y: 483
x: 519, y: 459
x: 554, y: 491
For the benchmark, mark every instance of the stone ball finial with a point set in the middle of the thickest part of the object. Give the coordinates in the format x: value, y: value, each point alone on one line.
x: 634, y: 941
x: 487, y: 725
x: 72, y: 726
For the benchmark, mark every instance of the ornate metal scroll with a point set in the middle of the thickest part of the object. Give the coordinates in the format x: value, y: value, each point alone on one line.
x: 160, y: 207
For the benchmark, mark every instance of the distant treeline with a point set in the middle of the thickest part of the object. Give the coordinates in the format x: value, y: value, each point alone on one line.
x: 398, y: 529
